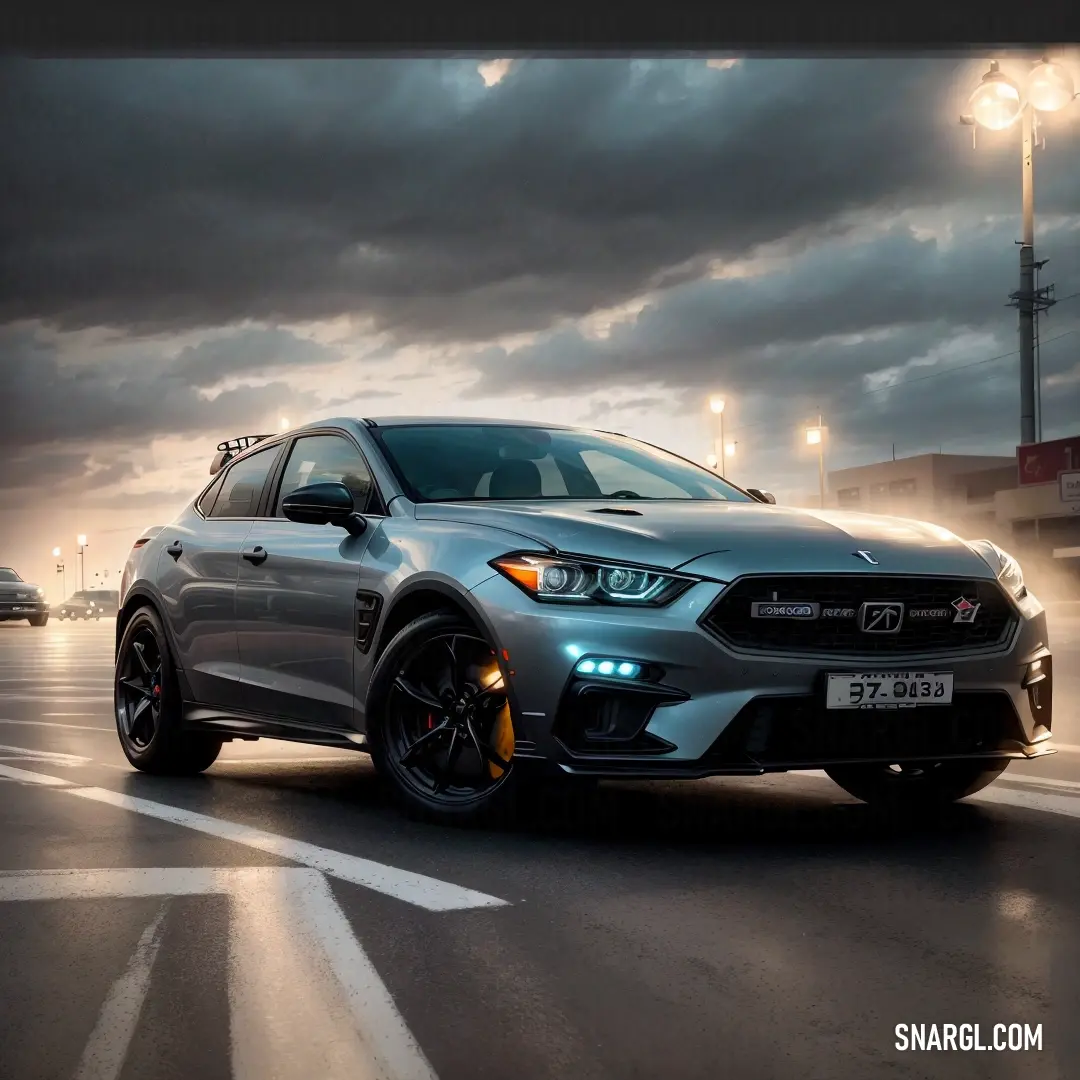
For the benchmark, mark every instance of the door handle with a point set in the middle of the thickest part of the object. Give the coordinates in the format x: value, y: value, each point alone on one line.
x: 256, y: 555
x: 175, y: 549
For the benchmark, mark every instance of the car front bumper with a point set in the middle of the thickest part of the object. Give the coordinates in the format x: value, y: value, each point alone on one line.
x: 713, y: 710
x: 22, y: 609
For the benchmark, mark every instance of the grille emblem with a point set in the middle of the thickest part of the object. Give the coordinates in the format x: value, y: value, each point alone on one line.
x: 774, y: 610
x: 865, y: 555
x: 966, y: 610
x: 881, y: 617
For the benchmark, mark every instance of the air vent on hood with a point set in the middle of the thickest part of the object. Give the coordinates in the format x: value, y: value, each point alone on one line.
x: 618, y: 510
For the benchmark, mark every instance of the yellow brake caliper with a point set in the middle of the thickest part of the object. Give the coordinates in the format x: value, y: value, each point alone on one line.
x: 503, y: 733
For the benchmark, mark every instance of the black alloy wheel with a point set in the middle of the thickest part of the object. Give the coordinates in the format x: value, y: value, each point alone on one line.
x: 138, y: 700
x: 148, y: 707
x: 441, y: 728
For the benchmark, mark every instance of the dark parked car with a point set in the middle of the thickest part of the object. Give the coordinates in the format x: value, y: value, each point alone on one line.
x: 89, y: 604
x: 21, y: 599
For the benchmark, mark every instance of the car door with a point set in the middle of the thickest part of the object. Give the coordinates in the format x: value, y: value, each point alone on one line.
x: 297, y: 593
x: 197, y: 571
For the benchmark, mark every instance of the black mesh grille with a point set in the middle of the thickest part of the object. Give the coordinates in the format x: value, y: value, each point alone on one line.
x: 799, y: 731
x: 731, y: 620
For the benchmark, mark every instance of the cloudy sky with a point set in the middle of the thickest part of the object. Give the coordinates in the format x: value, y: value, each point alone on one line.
x: 193, y: 249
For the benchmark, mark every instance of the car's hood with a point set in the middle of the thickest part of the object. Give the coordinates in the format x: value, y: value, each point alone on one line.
x: 724, y: 540
x: 23, y: 589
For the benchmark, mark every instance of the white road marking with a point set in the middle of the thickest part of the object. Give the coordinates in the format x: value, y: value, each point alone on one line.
x: 1036, y: 781
x: 70, y: 727
x: 45, y: 755
x: 27, y: 776
x: 50, y: 698
x: 1068, y: 805
x: 106, y: 1051
x: 304, y: 999
x: 418, y: 889
x: 429, y: 893
x: 350, y: 756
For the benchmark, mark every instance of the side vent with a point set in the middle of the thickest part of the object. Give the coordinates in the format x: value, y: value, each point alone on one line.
x: 367, y: 616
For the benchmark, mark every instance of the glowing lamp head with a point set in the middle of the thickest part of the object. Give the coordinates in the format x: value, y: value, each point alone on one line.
x: 813, y: 436
x: 716, y: 403
x: 81, y: 539
x: 995, y: 104
x: 56, y: 553
x: 711, y: 461
x: 1049, y: 87
x: 729, y: 449
x: 284, y: 423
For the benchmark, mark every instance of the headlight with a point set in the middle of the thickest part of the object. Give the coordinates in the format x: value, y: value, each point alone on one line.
x: 562, y: 579
x: 1003, y: 564
x: 39, y: 592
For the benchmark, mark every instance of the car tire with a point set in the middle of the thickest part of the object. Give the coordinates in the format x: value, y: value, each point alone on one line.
x: 38, y: 620
x: 469, y: 716
x: 912, y: 790
x: 148, y: 708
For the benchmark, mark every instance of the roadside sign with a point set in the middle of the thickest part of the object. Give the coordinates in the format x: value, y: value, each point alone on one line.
x: 1070, y: 486
x: 1040, y: 463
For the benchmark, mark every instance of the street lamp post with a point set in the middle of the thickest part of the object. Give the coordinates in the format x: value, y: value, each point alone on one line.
x: 62, y: 572
x: 815, y: 436
x: 997, y: 104
x: 81, y: 541
x: 716, y: 403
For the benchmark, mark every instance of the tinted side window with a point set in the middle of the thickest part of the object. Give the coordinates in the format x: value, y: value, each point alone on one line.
x: 206, y: 503
x: 243, y: 484
x: 320, y: 459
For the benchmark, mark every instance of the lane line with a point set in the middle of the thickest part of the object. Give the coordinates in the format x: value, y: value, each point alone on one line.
x: 350, y: 756
x: 1035, y: 781
x: 1067, y: 805
x: 70, y: 727
x: 391, y: 1043
x: 45, y: 755
x: 27, y: 776
x: 423, y: 891
x: 107, y: 1048
x: 429, y: 893
x: 304, y: 998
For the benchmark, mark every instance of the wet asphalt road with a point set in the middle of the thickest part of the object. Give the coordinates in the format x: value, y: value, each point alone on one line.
x: 742, y: 928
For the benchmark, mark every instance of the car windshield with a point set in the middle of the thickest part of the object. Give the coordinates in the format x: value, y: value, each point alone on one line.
x: 8, y: 575
x: 453, y: 462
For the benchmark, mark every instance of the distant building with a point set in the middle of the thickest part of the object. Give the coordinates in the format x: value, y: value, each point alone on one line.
x: 945, y: 487
x: 1031, y: 500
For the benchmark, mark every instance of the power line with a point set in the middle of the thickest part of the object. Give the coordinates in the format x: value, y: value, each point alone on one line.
x: 962, y: 367
x: 932, y: 375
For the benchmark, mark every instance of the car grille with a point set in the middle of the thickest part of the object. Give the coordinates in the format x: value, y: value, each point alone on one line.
x: 799, y: 731
x: 731, y: 620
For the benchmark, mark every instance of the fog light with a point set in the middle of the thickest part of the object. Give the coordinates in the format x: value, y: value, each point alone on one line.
x: 623, y: 669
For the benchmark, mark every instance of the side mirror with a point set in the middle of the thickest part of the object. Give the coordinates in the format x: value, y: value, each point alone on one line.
x: 324, y: 504
x: 762, y: 496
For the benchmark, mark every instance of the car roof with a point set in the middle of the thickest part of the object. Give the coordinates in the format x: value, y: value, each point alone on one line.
x: 476, y: 421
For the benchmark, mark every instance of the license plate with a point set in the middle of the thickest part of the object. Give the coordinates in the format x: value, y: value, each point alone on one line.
x: 889, y: 690
x: 18, y: 607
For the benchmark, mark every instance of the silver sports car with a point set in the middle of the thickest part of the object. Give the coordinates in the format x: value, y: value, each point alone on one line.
x: 481, y: 603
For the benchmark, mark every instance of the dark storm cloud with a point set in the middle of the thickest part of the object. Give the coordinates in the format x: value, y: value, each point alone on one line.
x: 247, y: 352
x: 176, y: 194
x: 45, y: 402
x: 831, y: 316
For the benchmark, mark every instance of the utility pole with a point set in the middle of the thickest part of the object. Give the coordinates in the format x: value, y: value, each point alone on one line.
x: 1025, y: 298
x: 821, y: 460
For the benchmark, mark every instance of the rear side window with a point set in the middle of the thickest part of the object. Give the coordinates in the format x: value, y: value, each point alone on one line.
x: 320, y: 459
x: 206, y: 503
x: 242, y: 485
